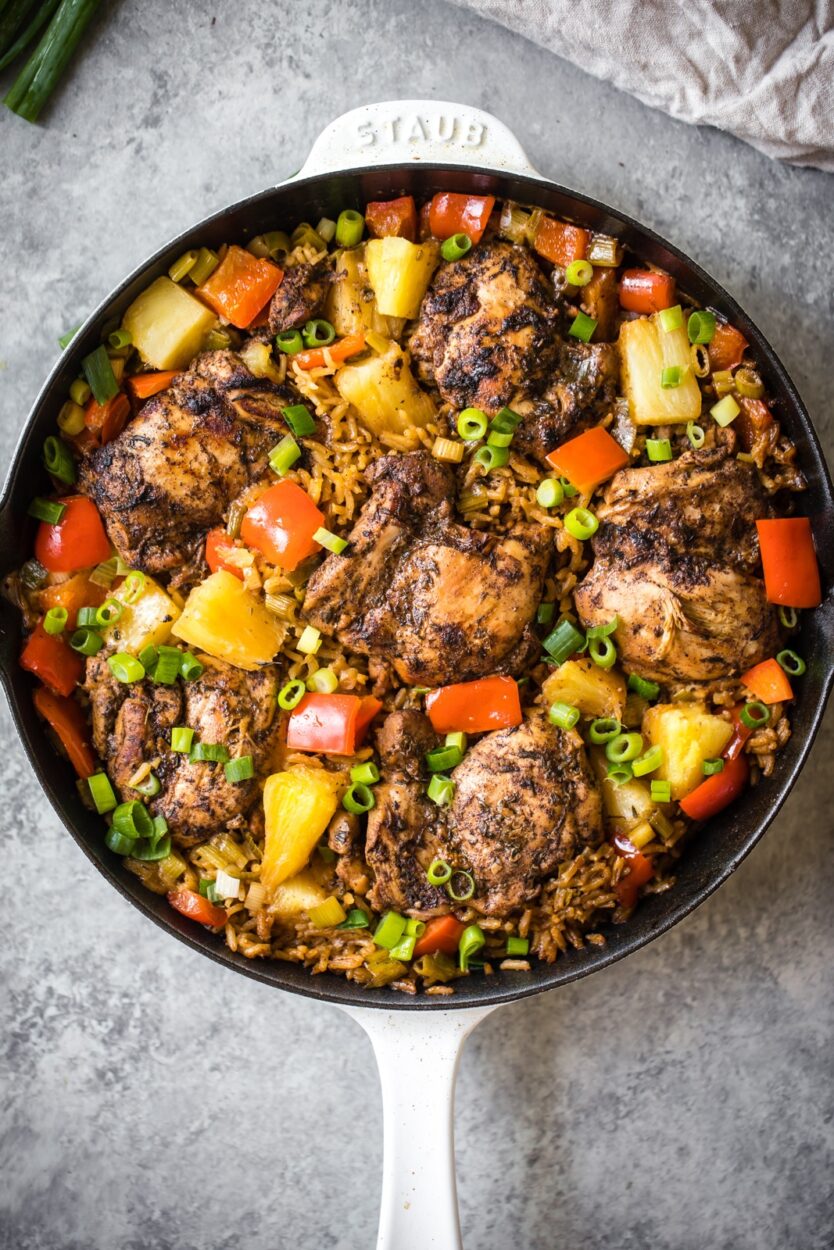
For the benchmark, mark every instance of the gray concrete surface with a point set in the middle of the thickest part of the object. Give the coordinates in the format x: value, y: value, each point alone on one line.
x: 151, y: 1101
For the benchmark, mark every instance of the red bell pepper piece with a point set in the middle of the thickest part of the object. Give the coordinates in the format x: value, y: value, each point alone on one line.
x: 105, y: 421
x: 640, y: 870
x: 589, y: 459
x: 77, y: 541
x: 191, y: 904
x: 392, y: 217
x: 330, y: 724
x: 727, y: 347
x: 218, y: 541
x: 717, y: 791
x: 50, y: 659
x: 143, y: 385
x: 424, y: 221
x: 559, y: 242
x: 339, y: 351
x: 281, y: 525
x: 451, y: 213
x: 368, y: 708
x: 442, y: 934
x: 76, y: 592
x: 644, y: 291
x: 475, y: 706
x: 240, y: 286
x: 741, y: 733
x: 768, y: 681
x: 69, y: 723
x: 754, y: 418
x: 789, y: 560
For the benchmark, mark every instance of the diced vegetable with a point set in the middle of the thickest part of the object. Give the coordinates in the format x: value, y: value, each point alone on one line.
x: 645, y: 351
x: 50, y: 659
x: 789, y: 559
x: 589, y: 459
x: 754, y: 420
x: 218, y: 542
x: 559, y: 242
x: 229, y: 622
x: 167, y: 325
x: 74, y: 593
x: 443, y: 933
x: 258, y: 359
x: 76, y: 541
x: 191, y: 904
x: 67, y: 719
x: 315, y: 358
x: 330, y: 724
x: 688, y: 734
x: 298, y: 894
x: 350, y: 306
x: 240, y: 286
x: 475, y: 706
x: 726, y: 347
x: 768, y: 681
x: 640, y: 871
x: 644, y: 291
x: 452, y: 213
x: 329, y: 914
x: 384, y: 392
x: 385, y: 218
x: 714, y: 794
x: 583, y: 684
x: 399, y: 273
x: 145, y: 621
x: 281, y: 525
x: 143, y: 385
x: 298, y: 806
x: 107, y: 420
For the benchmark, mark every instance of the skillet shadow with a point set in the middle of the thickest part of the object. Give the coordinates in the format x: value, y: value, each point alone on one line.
x: 675, y: 1099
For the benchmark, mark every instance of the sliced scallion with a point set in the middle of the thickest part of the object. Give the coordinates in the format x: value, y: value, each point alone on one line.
x: 58, y: 460
x: 332, y: 542
x: 604, y: 729
x: 358, y: 798
x: 284, y: 455
x: 712, y: 767
x: 701, y: 327
x: 349, y: 228
x: 581, y: 523
x: 109, y: 612
x: 55, y: 621
x: 390, y: 930
x: 125, y: 668
x: 150, y: 787
x: 472, y: 940
x: 491, y: 457
x: 190, y: 667
x: 443, y: 758
x: 658, y: 449
x: 624, y: 748
x: 603, y: 652
x: 455, y: 247
x: 242, y: 768
x: 755, y: 715
x: 441, y: 790
x: 472, y: 424
x: 695, y: 434
x: 671, y: 318
x: 356, y: 919
x: 291, y: 694
x: 323, y: 681
x: 661, y: 791
x: 366, y: 774
x: 318, y: 333
x: 86, y: 642
x: 564, y: 715
x: 208, y: 753
x: 181, y: 739
x: 299, y: 419
x: 310, y: 640
x: 725, y: 411
x: 439, y: 872
x: 579, y: 273
x: 461, y: 886
x: 649, y: 761
x: 582, y: 327
x: 642, y: 687
x: 563, y: 641
x: 98, y: 371
x: 46, y: 510
x: 101, y: 792
x: 289, y: 342
x: 550, y: 493
x: 793, y: 664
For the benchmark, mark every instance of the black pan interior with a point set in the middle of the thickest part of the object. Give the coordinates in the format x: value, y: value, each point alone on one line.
x: 710, y: 857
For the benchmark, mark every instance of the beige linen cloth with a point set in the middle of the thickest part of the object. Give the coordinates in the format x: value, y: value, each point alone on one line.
x: 763, y: 71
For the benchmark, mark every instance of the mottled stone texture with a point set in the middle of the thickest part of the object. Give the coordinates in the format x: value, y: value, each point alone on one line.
x: 151, y: 1100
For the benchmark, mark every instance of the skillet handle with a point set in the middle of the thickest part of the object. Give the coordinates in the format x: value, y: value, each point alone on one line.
x: 396, y: 132
x: 418, y: 1053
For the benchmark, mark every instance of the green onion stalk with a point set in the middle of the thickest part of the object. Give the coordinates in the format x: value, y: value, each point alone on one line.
x: 40, y: 75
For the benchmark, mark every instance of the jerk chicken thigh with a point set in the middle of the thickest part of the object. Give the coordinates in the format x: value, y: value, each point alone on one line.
x: 674, y: 559
x: 423, y: 595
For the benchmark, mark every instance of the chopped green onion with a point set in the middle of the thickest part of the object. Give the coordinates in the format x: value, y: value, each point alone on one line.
x: 789, y: 617
x: 299, y: 419
x: 125, y: 668
x: 133, y: 819
x: 725, y: 411
x: 150, y: 787
x: 133, y: 587
x: 755, y: 715
x: 325, y: 852
x: 581, y: 523
x: 550, y: 493
x: 119, y: 339
x: 284, y: 455
x: 190, y: 667
x: 86, y: 642
x: 65, y: 339
x: 603, y: 652
x: 579, y: 273
x: 150, y: 849
x: 349, y: 228
x: 619, y: 774
x: 404, y: 950
x: 204, y: 266
x: 182, y: 266
x: 701, y: 327
x: 332, y: 542
x: 441, y: 790
x: 99, y: 373
x: 671, y: 319
x: 358, y: 798
x: 624, y: 748
x: 471, y: 941
x: 458, y: 740
x: 310, y: 640
x: 491, y: 457
x: 356, y: 919
x: 209, y: 753
x: 472, y: 424
x: 568, y: 487
x: 583, y: 327
x: 118, y: 842
x: 242, y: 768
x: 603, y: 631
x: 500, y: 438
x: 390, y: 930
x: 109, y: 612
x: 326, y: 229
x: 86, y: 617
x: 642, y: 687
x: 366, y: 774
x: 563, y: 714
x: 318, y: 333
x: 793, y: 664
x: 46, y: 510
x: 58, y: 460
x: 711, y: 767
x: 461, y: 885
x: 441, y: 758
x: 545, y: 613
x: 80, y: 392
x: 291, y: 695
x: 658, y: 449
x: 415, y: 928
x: 55, y: 621
x: 661, y: 791
x: 167, y: 668
x: 519, y: 945
x: 455, y: 247
x: 695, y: 434
x: 208, y: 890
x: 323, y: 681
x: 671, y: 377
x: 506, y: 420
x: 181, y: 738
x: 147, y: 657
x: 101, y: 792
x: 649, y: 761
x: 105, y: 573
x: 604, y: 729
x: 563, y: 641
x: 439, y: 872
x: 289, y: 342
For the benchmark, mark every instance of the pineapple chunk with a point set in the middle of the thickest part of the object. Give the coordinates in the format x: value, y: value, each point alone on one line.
x: 624, y: 805
x: 258, y: 360
x: 296, y: 895
x: 646, y: 349
x: 383, y: 391
x: 298, y: 806
x: 583, y: 684
x: 167, y: 325
x: 688, y: 734
x: 147, y: 622
x: 399, y: 273
x: 350, y: 307
x: 224, y: 619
